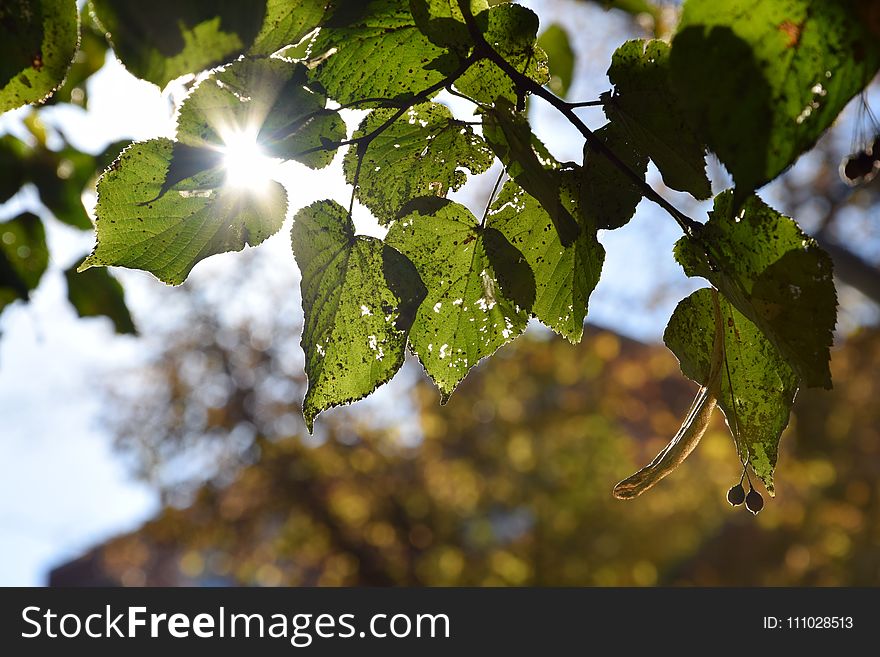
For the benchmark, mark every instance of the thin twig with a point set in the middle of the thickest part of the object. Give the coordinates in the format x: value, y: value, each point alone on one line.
x: 585, y: 103
x: 484, y: 50
x: 491, y: 198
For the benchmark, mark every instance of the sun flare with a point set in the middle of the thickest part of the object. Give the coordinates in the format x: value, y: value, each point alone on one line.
x: 247, y: 166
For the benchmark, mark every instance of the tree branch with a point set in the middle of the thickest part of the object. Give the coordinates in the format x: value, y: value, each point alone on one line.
x: 483, y: 50
x: 364, y: 140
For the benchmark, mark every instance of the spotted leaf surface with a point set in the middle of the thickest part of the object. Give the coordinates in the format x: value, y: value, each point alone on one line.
x: 757, y: 384
x: 761, y: 81
x: 358, y: 296
x: 564, y: 276
x: 166, y: 233
x: 774, y: 275
x: 39, y: 41
x: 423, y: 153
x: 467, y: 313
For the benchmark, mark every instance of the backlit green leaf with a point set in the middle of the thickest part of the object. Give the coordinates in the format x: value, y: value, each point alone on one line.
x: 467, y: 313
x: 529, y: 163
x: 756, y: 378
x: 644, y: 105
x: 564, y: 276
x: 266, y: 102
x: 442, y: 21
x: 560, y: 58
x: 511, y: 30
x: 763, y: 80
x: 285, y: 23
x: 609, y: 198
x: 23, y: 257
x: 161, y: 40
x: 38, y: 44
x: 423, y: 153
x: 374, y: 50
x: 167, y: 234
x: 359, y: 296
x: 95, y: 293
x: 775, y: 275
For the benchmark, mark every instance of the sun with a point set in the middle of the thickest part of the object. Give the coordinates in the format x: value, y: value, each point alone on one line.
x: 247, y: 166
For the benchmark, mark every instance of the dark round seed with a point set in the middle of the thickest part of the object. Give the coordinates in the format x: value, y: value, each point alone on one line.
x: 736, y: 495
x: 754, y: 501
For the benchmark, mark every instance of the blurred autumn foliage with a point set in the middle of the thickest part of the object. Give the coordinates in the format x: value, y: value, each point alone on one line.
x: 509, y: 484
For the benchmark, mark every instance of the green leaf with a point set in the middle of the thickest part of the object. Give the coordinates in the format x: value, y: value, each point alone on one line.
x: 40, y: 39
x: 167, y: 234
x: 421, y: 154
x: 763, y: 80
x: 564, y: 276
x: 529, y: 163
x: 161, y: 40
x: 359, y: 296
x: 285, y: 23
x: 24, y: 257
x: 511, y: 30
x: 13, y: 155
x: 560, y: 55
x: 609, y: 198
x: 264, y: 101
x: 61, y: 178
x: 87, y: 61
x: 466, y: 314
x: 443, y: 23
x: 756, y: 379
x: 644, y: 105
x: 775, y: 275
x: 94, y: 293
x: 375, y: 50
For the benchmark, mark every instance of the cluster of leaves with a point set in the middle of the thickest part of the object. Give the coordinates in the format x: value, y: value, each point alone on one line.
x: 59, y: 177
x: 756, y: 83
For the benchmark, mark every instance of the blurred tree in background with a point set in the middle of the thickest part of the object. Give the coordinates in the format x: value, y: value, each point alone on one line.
x: 509, y: 484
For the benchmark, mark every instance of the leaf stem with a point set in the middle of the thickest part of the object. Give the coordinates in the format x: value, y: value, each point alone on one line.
x: 492, y: 198
x: 585, y: 103
x: 364, y: 140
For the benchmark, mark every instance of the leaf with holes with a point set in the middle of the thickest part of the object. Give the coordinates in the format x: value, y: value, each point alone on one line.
x: 359, y: 297
x: 422, y: 153
x: 529, y: 163
x: 443, y: 23
x: 564, y: 276
x: 644, y: 105
x: 774, y: 275
x: 761, y: 81
x: 511, y: 30
x: 757, y: 385
x: 39, y: 42
x: 167, y: 234
x: 375, y: 50
x: 467, y: 313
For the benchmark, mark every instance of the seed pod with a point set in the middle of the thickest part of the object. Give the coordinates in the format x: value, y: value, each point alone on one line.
x: 736, y: 495
x: 754, y: 501
x: 857, y: 168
